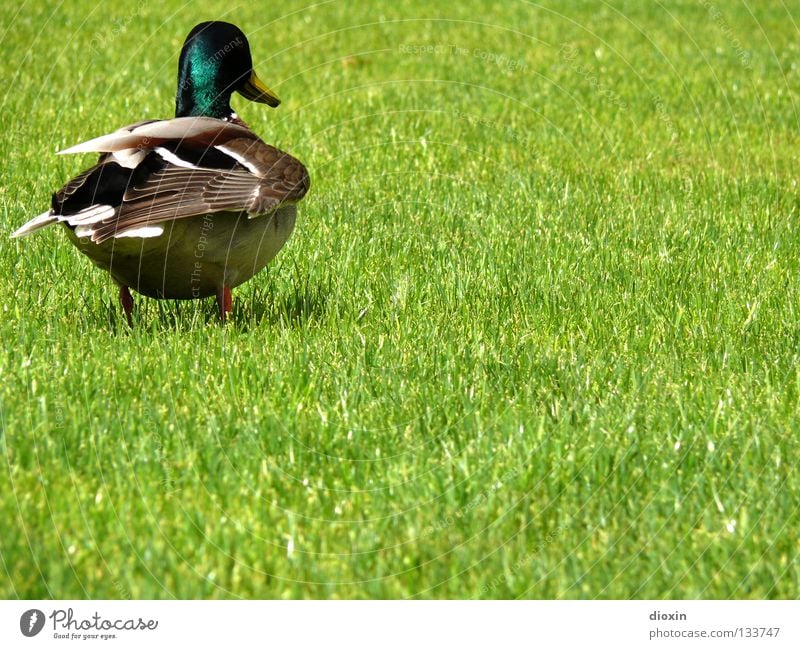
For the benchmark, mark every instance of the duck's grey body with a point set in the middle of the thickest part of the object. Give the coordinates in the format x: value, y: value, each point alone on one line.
x: 194, y: 256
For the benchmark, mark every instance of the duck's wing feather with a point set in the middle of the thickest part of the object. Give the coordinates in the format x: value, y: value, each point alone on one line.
x: 244, y: 175
x: 205, y: 131
x: 155, y: 172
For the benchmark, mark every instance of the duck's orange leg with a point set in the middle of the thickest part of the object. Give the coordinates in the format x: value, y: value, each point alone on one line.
x: 224, y: 302
x: 126, y: 300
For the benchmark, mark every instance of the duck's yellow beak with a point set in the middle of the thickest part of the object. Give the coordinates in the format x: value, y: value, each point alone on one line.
x: 255, y: 89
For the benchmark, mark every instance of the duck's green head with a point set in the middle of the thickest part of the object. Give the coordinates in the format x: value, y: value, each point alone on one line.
x: 215, y: 61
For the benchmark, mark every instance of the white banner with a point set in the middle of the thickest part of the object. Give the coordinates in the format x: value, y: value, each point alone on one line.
x: 381, y: 624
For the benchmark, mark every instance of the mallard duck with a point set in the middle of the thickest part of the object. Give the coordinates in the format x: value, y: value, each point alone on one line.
x: 188, y: 207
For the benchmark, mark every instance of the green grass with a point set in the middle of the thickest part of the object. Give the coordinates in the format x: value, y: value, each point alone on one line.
x: 536, y: 334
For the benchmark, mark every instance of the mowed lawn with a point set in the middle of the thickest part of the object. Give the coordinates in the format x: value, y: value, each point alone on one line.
x: 536, y: 334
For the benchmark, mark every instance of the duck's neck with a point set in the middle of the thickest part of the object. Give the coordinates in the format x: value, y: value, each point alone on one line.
x: 200, y: 91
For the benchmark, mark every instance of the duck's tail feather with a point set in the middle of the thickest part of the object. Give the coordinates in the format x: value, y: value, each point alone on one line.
x: 44, y: 219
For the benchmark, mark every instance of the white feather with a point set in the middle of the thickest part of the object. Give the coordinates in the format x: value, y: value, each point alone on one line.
x: 240, y: 159
x: 170, y: 157
x: 129, y: 158
x: 82, y: 219
x: 143, y: 232
x: 46, y: 218
x: 89, y: 215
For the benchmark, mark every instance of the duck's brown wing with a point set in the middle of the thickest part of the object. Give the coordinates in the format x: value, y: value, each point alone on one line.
x: 152, y: 133
x: 243, y: 175
x: 155, y: 172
